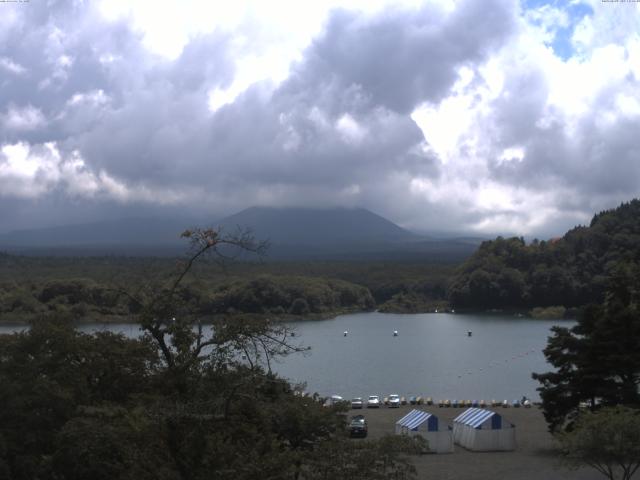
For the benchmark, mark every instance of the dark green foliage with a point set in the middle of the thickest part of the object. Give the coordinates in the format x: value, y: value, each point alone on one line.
x: 89, y: 289
x: 296, y: 295
x: 598, y: 360
x: 47, y: 372
x: 181, y: 402
x: 607, y: 440
x: 570, y: 271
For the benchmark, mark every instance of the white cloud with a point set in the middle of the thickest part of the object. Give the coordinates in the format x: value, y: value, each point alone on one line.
x: 23, y: 118
x: 532, y: 125
x: 350, y: 130
x: 12, y: 67
x: 92, y: 97
x: 32, y: 171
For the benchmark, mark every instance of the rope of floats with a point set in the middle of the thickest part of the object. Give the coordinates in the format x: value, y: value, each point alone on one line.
x: 486, y: 367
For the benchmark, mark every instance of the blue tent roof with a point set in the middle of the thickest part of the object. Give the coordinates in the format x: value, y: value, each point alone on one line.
x: 415, y: 418
x: 475, y: 417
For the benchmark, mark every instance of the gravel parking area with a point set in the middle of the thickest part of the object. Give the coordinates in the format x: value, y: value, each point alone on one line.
x: 534, y: 458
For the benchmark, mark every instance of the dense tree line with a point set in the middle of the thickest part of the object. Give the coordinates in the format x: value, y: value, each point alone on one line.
x: 87, y: 287
x: 571, y: 271
x: 291, y: 295
x: 86, y: 299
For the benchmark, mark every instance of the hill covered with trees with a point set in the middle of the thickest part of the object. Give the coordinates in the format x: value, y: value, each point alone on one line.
x: 281, y: 296
x: 89, y: 287
x: 570, y: 271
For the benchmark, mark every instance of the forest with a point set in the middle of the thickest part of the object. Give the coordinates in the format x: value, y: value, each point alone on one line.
x: 570, y: 271
x: 90, y: 288
x: 558, y: 275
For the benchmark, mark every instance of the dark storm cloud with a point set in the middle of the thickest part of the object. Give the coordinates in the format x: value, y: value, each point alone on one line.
x: 337, y: 131
x: 338, y: 128
x: 402, y: 58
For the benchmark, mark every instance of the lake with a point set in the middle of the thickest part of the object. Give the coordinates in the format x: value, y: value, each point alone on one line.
x: 431, y: 356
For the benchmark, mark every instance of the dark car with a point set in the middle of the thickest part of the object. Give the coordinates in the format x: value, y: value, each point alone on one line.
x: 358, y: 426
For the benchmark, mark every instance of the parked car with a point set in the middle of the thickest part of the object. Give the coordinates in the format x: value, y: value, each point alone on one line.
x: 333, y: 400
x: 356, y: 402
x: 373, y: 401
x: 394, y: 401
x: 358, y: 426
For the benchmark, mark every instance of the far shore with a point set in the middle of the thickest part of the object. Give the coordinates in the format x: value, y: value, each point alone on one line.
x: 128, y: 319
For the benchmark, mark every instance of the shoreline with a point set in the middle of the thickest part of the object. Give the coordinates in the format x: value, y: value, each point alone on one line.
x: 310, y: 317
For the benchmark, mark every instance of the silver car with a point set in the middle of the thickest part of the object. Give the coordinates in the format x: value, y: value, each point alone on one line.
x: 373, y: 401
x: 394, y: 401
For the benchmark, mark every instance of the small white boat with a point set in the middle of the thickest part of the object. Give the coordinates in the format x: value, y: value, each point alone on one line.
x: 395, y: 333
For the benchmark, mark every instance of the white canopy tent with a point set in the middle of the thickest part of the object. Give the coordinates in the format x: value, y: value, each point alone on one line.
x: 425, y: 424
x: 483, y: 430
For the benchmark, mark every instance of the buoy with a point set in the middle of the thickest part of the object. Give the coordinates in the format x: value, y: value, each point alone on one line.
x: 345, y: 333
x: 469, y: 333
x: 395, y: 333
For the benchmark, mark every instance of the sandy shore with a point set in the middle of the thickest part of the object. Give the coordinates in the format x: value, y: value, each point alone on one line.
x: 534, y: 457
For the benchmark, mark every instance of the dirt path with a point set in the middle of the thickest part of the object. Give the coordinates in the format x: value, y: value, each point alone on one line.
x: 534, y: 457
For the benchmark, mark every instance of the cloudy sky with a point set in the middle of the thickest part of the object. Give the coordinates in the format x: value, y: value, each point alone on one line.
x: 492, y: 116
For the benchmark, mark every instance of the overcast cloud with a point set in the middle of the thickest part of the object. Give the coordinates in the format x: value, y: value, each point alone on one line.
x: 490, y: 117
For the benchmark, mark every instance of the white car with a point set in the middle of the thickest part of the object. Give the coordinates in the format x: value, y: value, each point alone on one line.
x: 394, y: 401
x: 356, y: 402
x: 333, y: 400
x: 373, y: 401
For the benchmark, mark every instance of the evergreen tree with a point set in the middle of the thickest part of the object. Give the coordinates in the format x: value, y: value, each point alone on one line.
x: 598, y: 360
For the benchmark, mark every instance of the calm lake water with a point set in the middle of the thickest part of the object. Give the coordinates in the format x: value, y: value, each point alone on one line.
x: 432, y: 355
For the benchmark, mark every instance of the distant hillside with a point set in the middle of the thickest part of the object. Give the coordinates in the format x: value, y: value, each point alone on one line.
x: 293, y: 234
x: 343, y: 234
x: 318, y: 227
x: 120, y: 234
x: 570, y: 271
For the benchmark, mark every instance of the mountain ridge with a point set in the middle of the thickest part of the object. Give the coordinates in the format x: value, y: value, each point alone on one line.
x: 292, y: 232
